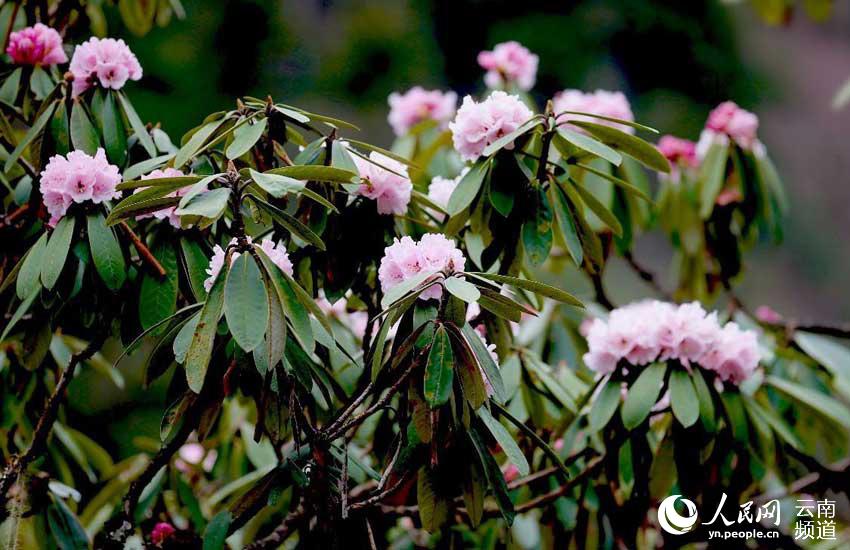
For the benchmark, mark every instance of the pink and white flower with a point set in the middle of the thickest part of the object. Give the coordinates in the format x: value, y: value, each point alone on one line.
x: 37, y: 45
x: 440, y: 191
x: 77, y: 178
x: 166, y: 213
x: 385, y: 181
x: 275, y: 251
x: 600, y: 102
x: 418, y: 105
x: 477, y: 125
x: 509, y: 62
x: 406, y: 258
x: 103, y: 61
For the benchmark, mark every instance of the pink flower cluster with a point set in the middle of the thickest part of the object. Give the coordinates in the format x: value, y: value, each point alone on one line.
x: 165, y: 213
x: 36, y: 45
x: 106, y: 61
x: 406, y: 258
x: 509, y: 62
x: 681, y: 153
x: 385, y: 181
x: 77, y: 178
x: 161, y: 532
x: 737, y: 124
x: 440, y: 190
x: 275, y: 251
x: 600, y: 102
x: 477, y: 125
x: 648, y: 331
x: 417, y: 105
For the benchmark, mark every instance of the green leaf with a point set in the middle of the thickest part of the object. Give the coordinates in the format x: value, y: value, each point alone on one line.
x: 818, y: 401
x: 196, y: 141
x: 505, y: 440
x: 566, y: 221
x: 623, y: 184
x: 587, y: 143
x: 158, y: 297
x: 40, y: 83
x: 376, y: 149
x: 631, y: 123
x: 683, y: 398
x: 439, y: 372
x: 473, y: 494
x: 201, y: 347
x: 605, y: 405
x: 9, y: 89
x: 712, y: 173
x: 706, y: 402
x: 462, y: 289
x: 833, y: 356
x: 30, y: 136
x: 114, y: 132
x: 643, y: 152
x: 607, y: 217
x: 279, y: 186
x: 643, y: 394
x: 56, y: 251
x: 106, y: 252
x: 216, y: 531
x: 246, y: 304
x: 138, y: 126
x: 23, y: 307
x: 293, y: 307
x: 245, y: 137
x: 29, y: 274
x: 491, y: 369
x: 402, y: 289
x: 494, y: 477
x: 533, y: 286
x: 512, y: 136
x: 143, y: 167
x: 83, y: 133
x: 65, y: 527
x: 545, y: 374
x: 209, y: 204
x: 195, y: 262
x: 291, y: 223
x: 467, y: 188
x: 433, y: 510
x: 311, y: 172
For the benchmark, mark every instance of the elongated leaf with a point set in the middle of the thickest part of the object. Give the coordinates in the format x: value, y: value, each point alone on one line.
x: 494, y: 477
x: 820, y: 402
x: 605, y: 405
x: 210, y: 204
x: 533, y: 286
x: 623, y: 184
x: 399, y: 291
x: 9, y: 89
x: 19, y: 313
x: 462, y: 289
x: 590, y: 145
x: 486, y: 361
x: 137, y: 125
x: 433, y: 510
x: 30, y: 136
x: 246, y: 304
x: 602, y: 211
x: 143, y: 167
x: 712, y: 173
x: 683, y: 398
x: 30, y: 272
x: 158, y: 297
x: 216, y: 531
x: 643, y: 152
x: 57, y: 251
x: 390, y: 154
x: 643, y: 394
x: 505, y: 440
x: 330, y: 174
x: 245, y: 137
x: 467, y: 188
x: 201, y: 347
x: 279, y: 186
x: 292, y: 224
x: 195, y: 262
x: 510, y: 137
x: 706, y: 402
x: 833, y: 356
x: 196, y: 142
x: 439, y: 371
x: 65, y: 527
x: 83, y: 133
x: 293, y: 307
x: 778, y: 425
x: 106, y: 252
x: 114, y: 132
x: 562, y: 119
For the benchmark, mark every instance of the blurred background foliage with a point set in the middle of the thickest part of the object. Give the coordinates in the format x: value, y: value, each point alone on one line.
x: 674, y: 59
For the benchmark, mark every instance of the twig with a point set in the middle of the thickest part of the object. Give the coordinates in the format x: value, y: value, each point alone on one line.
x: 645, y: 274
x: 281, y: 533
x: 599, y: 292
x: 555, y: 494
x: 377, y: 498
x: 144, y: 252
x: 19, y: 464
x: 13, y: 216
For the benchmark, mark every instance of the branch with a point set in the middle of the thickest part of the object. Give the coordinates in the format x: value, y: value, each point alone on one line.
x: 646, y: 275
x: 281, y: 533
x: 144, y: 252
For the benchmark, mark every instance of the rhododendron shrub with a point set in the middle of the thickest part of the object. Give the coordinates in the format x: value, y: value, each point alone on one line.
x: 346, y: 344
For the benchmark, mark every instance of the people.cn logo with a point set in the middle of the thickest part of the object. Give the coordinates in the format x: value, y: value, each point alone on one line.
x: 673, y: 522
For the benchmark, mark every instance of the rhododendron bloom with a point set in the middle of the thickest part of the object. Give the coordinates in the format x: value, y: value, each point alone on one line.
x: 440, y: 191
x: 648, y: 331
x: 600, y: 102
x: 738, y: 124
x: 477, y: 125
x: 406, y: 258
x: 106, y: 61
x: 36, y: 45
x: 275, y: 251
x: 678, y: 151
x: 418, y: 105
x: 767, y: 314
x: 509, y: 62
x: 166, y: 213
x: 77, y: 178
x: 387, y: 184
x: 161, y: 532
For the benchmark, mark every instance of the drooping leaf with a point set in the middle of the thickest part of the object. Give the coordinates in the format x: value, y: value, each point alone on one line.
x: 833, y: 356
x: 467, y: 189
x: 643, y: 394
x: 106, y: 252
x: 65, y: 527
x: 433, y: 510
x: 533, y: 286
x: 462, y: 289
x: 818, y: 401
x: 201, y: 347
x: 196, y: 142
x: 439, y: 371
x: 209, y: 204
x: 683, y: 398
x: 246, y: 305
x: 57, y: 251
x: 34, y: 131
x: 216, y: 531
x: 605, y: 405
x: 29, y: 275
x: 137, y: 125
x: 505, y: 440
x: 84, y: 135
x: 494, y: 477
x: 712, y: 173
x: 114, y: 132
x: 640, y: 150
x: 245, y: 137
x: 158, y: 296
x: 330, y: 174
x: 488, y: 364
x: 590, y: 145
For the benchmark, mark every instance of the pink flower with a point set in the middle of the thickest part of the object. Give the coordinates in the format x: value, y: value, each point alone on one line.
x: 477, y: 125
x: 77, y: 178
x: 406, y: 258
x: 600, y: 102
x: 509, y: 62
x: 387, y: 184
x: 649, y: 331
x: 739, y: 125
x: 678, y: 151
x: 106, y: 61
x: 440, y: 191
x: 165, y: 213
x: 275, y: 251
x: 767, y: 314
x: 161, y: 532
x: 36, y: 45
x: 511, y: 472
x: 417, y: 105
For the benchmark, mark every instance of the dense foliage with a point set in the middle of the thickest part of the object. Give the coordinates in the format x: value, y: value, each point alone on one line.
x: 366, y: 347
